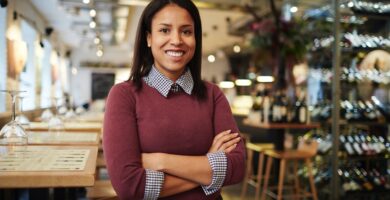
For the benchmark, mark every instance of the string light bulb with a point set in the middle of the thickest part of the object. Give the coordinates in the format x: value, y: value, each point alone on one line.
x: 92, y: 13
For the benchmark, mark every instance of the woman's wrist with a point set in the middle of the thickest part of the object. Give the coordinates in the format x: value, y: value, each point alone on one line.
x: 162, y: 161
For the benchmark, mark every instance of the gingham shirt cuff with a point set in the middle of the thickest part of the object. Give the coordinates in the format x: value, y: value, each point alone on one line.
x: 154, y: 182
x: 218, y: 163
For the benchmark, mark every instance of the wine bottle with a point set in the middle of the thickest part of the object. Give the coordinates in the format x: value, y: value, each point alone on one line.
x: 348, y: 110
x: 276, y: 108
x: 365, y: 146
x: 382, y: 109
x: 301, y: 110
x: 347, y: 146
x: 371, y: 112
x: 284, y: 107
x: 266, y: 109
x: 355, y: 145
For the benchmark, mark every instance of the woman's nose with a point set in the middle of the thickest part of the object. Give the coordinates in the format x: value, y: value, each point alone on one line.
x: 176, y: 38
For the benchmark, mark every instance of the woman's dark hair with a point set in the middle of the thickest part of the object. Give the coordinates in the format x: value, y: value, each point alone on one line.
x: 143, y: 58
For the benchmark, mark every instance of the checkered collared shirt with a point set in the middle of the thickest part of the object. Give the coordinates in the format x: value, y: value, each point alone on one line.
x: 164, y: 85
x: 218, y: 160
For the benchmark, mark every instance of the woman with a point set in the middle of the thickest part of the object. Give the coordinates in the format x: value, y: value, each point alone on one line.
x: 166, y: 132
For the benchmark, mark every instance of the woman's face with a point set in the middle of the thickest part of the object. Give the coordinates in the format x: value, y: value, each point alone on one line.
x: 172, y: 40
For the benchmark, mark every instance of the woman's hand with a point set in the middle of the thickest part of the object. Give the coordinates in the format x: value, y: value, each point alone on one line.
x: 224, y: 141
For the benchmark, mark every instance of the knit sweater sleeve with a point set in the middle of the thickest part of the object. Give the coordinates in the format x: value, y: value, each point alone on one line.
x: 223, y: 120
x: 121, y: 144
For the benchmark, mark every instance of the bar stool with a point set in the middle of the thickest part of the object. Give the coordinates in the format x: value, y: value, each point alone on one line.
x: 306, y: 150
x: 250, y: 177
x: 102, y: 189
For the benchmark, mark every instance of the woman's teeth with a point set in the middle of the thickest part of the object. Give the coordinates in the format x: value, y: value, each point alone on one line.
x: 175, y: 53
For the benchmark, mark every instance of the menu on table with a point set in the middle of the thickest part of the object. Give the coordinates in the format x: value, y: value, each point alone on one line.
x: 43, y: 159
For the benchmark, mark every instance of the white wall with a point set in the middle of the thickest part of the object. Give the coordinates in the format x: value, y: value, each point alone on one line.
x: 80, y: 84
x: 217, y: 69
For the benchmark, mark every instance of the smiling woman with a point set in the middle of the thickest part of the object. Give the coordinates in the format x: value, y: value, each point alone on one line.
x: 167, y: 133
x: 172, y: 40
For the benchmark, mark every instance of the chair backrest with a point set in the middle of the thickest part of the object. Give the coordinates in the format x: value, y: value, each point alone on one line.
x: 308, y: 145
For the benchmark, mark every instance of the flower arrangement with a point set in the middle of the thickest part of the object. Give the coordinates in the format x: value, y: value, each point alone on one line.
x: 289, y: 40
x: 279, y: 44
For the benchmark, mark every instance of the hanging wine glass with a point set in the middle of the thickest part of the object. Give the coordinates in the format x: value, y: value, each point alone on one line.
x: 55, y: 123
x: 21, y: 118
x: 13, y: 133
x: 46, y: 115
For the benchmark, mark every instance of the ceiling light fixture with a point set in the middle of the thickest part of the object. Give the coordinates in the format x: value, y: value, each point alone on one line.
x: 86, y: 1
x: 265, y: 79
x: 41, y: 42
x: 99, y: 53
x: 92, y: 24
x: 74, y: 70
x: 48, y: 31
x: 211, y: 58
x: 236, y: 48
x: 226, y: 84
x: 243, y: 82
x: 92, y: 13
x: 96, y: 40
x: 294, y: 9
x: 15, y: 15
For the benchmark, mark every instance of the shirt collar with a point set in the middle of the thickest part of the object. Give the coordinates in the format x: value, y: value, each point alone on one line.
x: 162, y: 84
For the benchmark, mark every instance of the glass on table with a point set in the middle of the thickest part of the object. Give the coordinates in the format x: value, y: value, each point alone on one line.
x: 55, y: 123
x: 21, y: 118
x: 13, y: 133
x: 46, y: 115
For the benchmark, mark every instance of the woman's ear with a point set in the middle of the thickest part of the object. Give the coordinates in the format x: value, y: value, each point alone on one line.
x: 149, y: 39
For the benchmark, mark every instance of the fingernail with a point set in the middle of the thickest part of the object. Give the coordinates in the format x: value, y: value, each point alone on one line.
x: 229, y: 131
x: 235, y: 133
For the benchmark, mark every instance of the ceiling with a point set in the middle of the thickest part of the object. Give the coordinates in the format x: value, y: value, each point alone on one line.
x: 116, y: 23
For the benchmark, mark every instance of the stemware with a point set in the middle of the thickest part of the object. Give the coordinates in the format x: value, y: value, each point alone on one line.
x: 56, y: 123
x: 21, y: 118
x: 13, y: 133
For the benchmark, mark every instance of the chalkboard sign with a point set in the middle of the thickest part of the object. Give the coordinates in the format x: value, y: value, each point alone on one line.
x: 101, y: 84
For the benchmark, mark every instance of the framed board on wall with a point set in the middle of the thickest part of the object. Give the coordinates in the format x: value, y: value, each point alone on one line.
x: 101, y: 84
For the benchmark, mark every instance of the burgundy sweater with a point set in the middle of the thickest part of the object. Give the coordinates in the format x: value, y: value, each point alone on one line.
x: 144, y: 121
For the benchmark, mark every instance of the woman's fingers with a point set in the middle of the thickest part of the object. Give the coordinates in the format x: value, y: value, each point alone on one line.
x: 224, y: 141
x: 228, y: 138
x: 229, y: 149
x: 229, y: 144
x: 220, y: 135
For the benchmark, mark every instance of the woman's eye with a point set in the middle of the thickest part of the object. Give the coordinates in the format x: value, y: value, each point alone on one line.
x: 187, y: 32
x: 164, y: 30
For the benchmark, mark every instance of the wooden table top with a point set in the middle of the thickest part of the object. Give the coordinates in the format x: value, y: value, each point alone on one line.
x: 280, y: 125
x: 63, y: 138
x: 69, y: 126
x: 90, y: 117
x: 44, y: 179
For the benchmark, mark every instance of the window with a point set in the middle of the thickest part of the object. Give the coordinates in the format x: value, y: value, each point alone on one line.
x: 3, y: 57
x: 46, y: 75
x: 28, y: 75
x: 57, y: 92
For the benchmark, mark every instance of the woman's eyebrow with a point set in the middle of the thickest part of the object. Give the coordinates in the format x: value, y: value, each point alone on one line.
x: 182, y: 26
